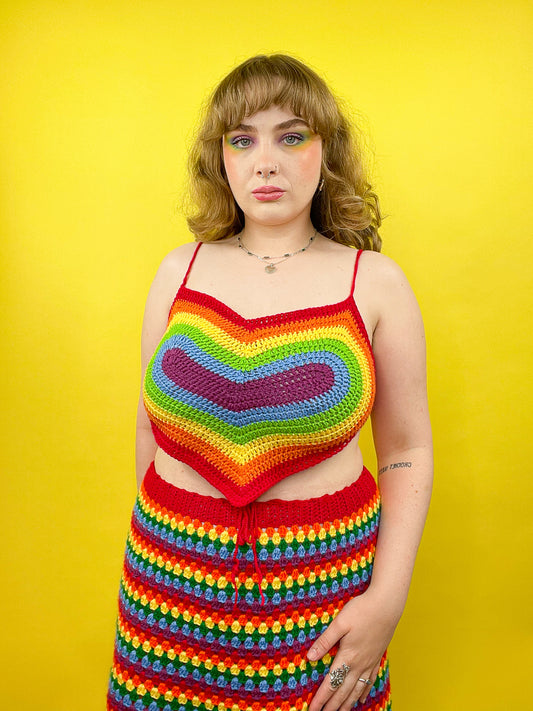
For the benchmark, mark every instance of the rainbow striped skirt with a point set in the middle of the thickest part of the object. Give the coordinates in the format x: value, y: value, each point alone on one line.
x: 219, y: 604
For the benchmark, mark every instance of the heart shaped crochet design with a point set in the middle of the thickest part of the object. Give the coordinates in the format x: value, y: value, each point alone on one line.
x: 246, y: 402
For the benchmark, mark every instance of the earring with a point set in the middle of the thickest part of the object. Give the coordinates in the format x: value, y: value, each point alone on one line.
x: 320, y: 185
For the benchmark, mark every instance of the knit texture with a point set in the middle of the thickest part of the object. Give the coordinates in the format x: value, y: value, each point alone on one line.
x: 182, y: 643
x: 247, y: 402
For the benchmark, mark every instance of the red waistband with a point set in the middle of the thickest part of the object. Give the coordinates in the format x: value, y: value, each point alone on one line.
x: 274, y: 512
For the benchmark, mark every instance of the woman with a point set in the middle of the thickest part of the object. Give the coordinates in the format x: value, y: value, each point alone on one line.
x: 254, y: 577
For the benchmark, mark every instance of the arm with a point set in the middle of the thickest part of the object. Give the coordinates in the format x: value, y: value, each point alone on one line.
x: 145, y: 445
x: 162, y: 291
x: 402, y: 437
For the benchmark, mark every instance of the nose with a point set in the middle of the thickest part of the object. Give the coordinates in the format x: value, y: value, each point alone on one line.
x: 267, y: 170
x: 266, y: 166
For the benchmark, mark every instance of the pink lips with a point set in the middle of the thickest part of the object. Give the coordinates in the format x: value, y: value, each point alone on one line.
x: 268, y: 193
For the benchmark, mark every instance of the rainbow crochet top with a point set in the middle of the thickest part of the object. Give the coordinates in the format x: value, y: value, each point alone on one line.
x: 247, y: 402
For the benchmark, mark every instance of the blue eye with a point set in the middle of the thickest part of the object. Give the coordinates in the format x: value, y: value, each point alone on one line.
x: 293, y: 139
x: 241, y: 142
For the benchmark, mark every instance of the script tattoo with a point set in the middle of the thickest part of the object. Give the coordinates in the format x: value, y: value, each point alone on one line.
x: 396, y: 465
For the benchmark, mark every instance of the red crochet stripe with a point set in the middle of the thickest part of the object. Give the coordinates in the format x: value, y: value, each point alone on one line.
x: 274, y: 512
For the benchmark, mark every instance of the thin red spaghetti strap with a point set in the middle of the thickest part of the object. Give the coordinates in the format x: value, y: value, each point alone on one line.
x: 359, y: 253
x: 190, y: 264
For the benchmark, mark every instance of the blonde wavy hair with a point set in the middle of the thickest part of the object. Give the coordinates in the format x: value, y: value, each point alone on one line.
x: 345, y: 210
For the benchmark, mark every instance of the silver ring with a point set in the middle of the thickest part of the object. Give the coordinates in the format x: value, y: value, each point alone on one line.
x: 337, y: 676
x: 365, y: 681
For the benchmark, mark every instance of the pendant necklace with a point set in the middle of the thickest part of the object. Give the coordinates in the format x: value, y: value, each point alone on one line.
x: 271, y: 266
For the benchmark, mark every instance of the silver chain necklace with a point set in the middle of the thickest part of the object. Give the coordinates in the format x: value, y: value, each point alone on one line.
x: 271, y: 266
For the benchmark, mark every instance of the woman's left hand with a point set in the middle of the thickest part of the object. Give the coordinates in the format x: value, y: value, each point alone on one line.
x: 363, y: 630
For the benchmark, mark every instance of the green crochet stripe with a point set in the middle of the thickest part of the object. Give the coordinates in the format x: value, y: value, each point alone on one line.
x: 250, y: 361
x: 271, y: 677
x: 195, y: 538
x: 229, y: 634
x: 242, y: 677
x: 269, y: 591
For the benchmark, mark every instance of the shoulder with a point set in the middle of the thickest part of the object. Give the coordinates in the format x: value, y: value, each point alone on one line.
x: 174, y: 265
x: 161, y: 295
x: 374, y: 265
x: 383, y: 291
x: 382, y: 275
x: 168, y: 278
x: 380, y: 267
x: 176, y: 262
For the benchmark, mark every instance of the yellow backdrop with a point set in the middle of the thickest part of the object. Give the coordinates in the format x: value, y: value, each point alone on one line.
x: 99, y: 100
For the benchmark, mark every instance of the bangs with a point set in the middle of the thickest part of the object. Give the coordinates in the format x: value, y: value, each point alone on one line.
x: 277, y: 80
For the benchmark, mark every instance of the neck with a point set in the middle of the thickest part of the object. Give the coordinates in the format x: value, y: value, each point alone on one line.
x: 276, y: 239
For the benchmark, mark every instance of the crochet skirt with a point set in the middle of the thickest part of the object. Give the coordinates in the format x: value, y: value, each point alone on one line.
x: 218, y: 604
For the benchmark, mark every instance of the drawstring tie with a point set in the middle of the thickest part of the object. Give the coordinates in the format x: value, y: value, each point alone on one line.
x: 247, y: 532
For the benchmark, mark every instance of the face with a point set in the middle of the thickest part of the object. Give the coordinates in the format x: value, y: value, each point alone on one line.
x: 273, y: 162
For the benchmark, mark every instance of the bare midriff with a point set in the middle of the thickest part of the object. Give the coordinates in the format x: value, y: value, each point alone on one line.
x: 328, y: 476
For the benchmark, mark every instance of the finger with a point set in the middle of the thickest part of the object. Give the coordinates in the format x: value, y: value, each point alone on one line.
x: 328, y: 697
x: 356, y: 694
x: 352, y: 700
x: 372, y: 676
x: 326, y: 641
x: 322, y: 696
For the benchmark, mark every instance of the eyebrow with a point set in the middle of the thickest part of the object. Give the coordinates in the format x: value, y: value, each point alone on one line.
x: 280, y: 126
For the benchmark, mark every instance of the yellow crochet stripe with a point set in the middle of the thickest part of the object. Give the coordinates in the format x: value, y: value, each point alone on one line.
x: 182, y: 698
x: 243, y: 454
x: 262, y: 671
x: 251, y: 344
x: 210, y: 705
x: 235, y: 626
x: 198, y: 576
x: 191, y: 528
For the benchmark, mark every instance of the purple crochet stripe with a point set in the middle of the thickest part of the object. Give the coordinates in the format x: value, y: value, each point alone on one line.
x: 288, y: 387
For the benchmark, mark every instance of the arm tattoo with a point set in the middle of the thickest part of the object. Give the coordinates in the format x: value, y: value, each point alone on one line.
x: 396, y: 465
